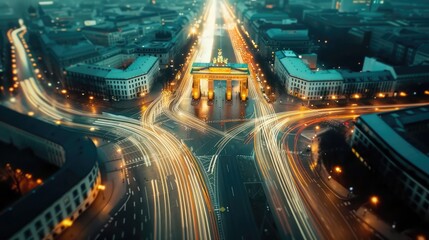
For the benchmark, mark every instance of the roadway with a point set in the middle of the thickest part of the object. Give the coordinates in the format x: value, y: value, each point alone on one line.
x: 180, y: 173
x: 166, y: 195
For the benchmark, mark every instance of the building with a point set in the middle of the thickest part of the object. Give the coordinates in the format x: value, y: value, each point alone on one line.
x: 398, y: 45
x: 120, y: 77
x: 394, y: 146
x: 356, y: 5
x: 303, y: 82
x: 162, y: 50
x: 303, y: 79
x: 109, y: 35
x: 367, y: 84
x: 122, y: 20
x: 293, y: 37
x: 47, y: 210
x: 422, y: 55
x: 167, y: 44
x: 409, y: 80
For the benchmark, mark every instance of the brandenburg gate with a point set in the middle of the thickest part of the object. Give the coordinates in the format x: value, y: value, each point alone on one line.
x: 220, y: 69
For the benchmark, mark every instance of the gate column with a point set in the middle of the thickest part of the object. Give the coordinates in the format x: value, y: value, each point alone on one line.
x: 244, y: 89
x: 196, y: 91
x: 228, y: 89
x: 211, y: 89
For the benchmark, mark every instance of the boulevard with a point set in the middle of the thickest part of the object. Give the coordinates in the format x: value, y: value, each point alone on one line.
x: 180, y: 168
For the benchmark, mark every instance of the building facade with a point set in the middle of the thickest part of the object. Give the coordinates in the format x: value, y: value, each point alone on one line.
x: 302, y: 82
x: 393, y: 146
x: 109, y: 35
x: 49, y: 209
x: 301, y: 78
x: 121, y: 77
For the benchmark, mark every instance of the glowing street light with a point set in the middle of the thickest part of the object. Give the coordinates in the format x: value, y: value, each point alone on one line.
x: 374, y: 200
x: 338, y: 169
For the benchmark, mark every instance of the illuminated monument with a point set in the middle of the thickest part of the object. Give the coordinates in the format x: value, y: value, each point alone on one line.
x: 220, y: 69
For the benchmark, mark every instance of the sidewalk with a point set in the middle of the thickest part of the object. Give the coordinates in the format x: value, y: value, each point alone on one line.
x: 377, y: 224
x: 369, y: 218
x: 339, y: 190
x: 99, y: 212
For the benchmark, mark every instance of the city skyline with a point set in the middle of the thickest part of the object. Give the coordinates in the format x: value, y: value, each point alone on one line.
x: 214, y: 120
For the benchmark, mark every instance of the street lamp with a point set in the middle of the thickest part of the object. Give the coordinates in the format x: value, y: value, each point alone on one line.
x: 374, y: 200
x: 101, y: 188
x: 338, y: 169
x: 142, y: 95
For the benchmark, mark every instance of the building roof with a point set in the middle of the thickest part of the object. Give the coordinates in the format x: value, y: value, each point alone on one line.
x: 405, y: 132
x: 141, y: 65
x: 103, y: 28
x: 374, y: 76
x: 418, y: 69
x: 81, y: 157
x: 287, y: 35
x: 160, y: 46
x: 73, y: 51
x: 296, y: 67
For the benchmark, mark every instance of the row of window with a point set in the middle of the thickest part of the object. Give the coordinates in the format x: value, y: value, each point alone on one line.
x: 46, y: 223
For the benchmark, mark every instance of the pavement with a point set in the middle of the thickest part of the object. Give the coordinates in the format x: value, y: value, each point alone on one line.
x: 380, y: 227
x: 363, y: 214
x: 98, y: 213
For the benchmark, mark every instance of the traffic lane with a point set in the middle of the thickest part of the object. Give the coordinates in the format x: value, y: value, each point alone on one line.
x: 337, y: 209
x: 238, y: 222
x: 223, y: 41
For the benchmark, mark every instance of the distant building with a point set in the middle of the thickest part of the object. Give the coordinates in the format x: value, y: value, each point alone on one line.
x: 399, y: 45
x: 161, y: 50
x: 7, y: 15
x: 108, y: 35
x: 356, y: 5
x: 367, y: 84
x: 301, y: 78
x: 123, y: 20
x: 49, y: 209
x: 422, y: 55
x: 294, y: 37
x: 120, y: 77
x: 167, y: 44
x: 394, y: 146
x: 411, y: 80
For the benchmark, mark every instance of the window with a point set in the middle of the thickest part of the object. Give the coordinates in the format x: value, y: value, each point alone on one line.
x: 75, y: 193
x: 48, y: 216
x: 41, y: 234
x: 57, y: 208
x: 59, y: 217
x: 68, y: 210
x: 38, y: 224
x: 27, y: 233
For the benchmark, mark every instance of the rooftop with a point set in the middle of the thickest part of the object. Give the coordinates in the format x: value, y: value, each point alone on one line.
x: 405, y: 131
x: 296, y: 67
x: 287, y: 35
x: 373, y: 76
x: 140, y: 66
x: 81, y: 157
x: 72, y: 51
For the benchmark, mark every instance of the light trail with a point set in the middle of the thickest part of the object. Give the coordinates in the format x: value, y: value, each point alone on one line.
x: 196, y: 216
